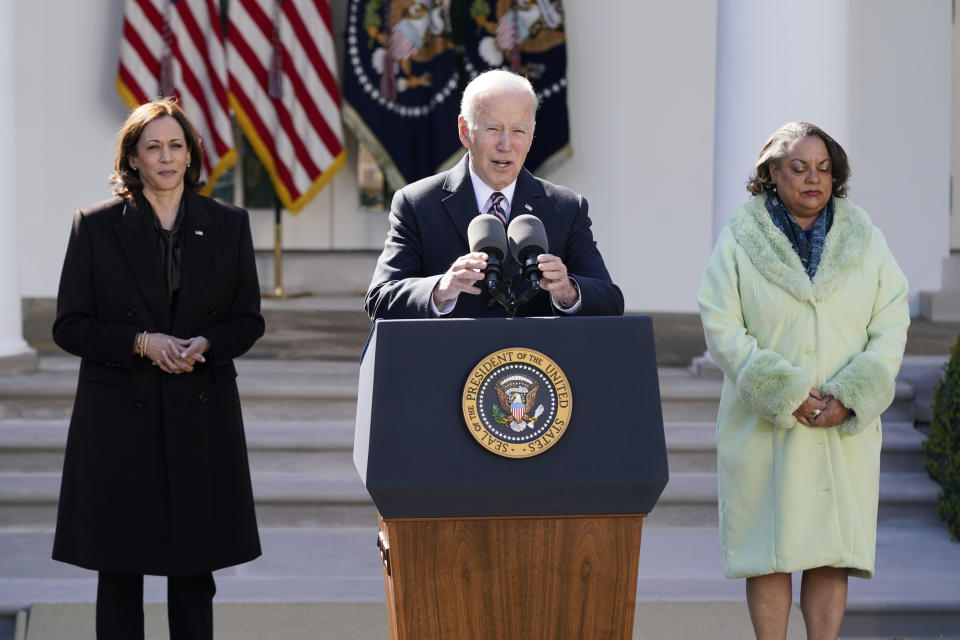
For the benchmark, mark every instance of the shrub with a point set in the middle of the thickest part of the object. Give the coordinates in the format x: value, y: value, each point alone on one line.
x: 943, y: 444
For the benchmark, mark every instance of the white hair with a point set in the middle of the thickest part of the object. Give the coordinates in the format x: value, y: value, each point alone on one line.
x: 492, y: 81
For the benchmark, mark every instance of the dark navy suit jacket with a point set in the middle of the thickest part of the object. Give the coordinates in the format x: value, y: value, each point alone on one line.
x: 428, y: 232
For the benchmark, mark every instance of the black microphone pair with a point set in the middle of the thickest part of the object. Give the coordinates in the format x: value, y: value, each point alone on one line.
x: 526, y: 238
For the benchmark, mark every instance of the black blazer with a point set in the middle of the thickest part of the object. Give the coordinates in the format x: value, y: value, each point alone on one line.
x: 428, y: 231
x: 155, y: 478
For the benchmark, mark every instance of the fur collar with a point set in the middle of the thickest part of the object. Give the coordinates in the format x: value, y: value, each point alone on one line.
x: 774, y: 257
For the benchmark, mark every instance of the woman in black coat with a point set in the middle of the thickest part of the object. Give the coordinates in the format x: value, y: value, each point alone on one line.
x: 158, y: 295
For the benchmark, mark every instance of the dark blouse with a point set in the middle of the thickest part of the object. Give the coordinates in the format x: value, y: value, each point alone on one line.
x: 168, y: 244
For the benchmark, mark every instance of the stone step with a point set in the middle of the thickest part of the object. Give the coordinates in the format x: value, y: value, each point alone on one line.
x: 311, y: 389
x: 331, y: 498
x: 940, y: 306
x: 692, y: 447
x: 29, y: 501
x: 313, y: 446
x: 916, y: 591
x: 270, y: 390
x: 686, y: 397
x: 331, y: 325
x: 690, y: 500
x: 299, y: 420
x: 368, y: 621
x: 654, y: 620
x: 28, y: 446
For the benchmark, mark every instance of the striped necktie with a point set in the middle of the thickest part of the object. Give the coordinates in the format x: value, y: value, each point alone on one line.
x: 496, y: 207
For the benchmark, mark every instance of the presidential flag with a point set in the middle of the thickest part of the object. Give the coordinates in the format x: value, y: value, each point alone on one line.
x: 527, y: 37
x: 175, y: 48
x: 281, y: 66
x: 400, y: 89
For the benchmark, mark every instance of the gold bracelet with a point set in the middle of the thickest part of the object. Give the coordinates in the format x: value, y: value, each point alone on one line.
x: 141, y: 343
x: 146, y: 343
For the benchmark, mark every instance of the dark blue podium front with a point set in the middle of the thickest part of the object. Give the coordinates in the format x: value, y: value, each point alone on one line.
x: 418, y: 460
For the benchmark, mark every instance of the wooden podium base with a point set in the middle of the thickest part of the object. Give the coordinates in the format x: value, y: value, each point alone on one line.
x: 511, y: 578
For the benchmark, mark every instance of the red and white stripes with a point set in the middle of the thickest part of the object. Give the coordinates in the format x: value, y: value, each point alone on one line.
x: 281, y: 66
x: 175, y: 47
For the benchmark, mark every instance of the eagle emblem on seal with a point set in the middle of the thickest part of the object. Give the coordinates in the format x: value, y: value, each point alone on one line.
x: 517, y: 397
x: 516, y: 402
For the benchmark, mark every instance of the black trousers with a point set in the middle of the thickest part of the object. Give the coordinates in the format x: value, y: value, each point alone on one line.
x: 120, y: 606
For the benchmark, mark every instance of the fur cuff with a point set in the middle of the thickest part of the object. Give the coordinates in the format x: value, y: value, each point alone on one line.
x: 773, y: 387
x: 865, y: 386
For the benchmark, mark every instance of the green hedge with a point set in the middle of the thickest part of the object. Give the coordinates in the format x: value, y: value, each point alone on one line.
x: 943, y: 445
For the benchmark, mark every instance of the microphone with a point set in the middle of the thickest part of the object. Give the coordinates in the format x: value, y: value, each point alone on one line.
x: 487, y: 234
x: 528, y: 239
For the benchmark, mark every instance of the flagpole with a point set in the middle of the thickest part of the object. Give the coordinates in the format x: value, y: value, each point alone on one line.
x: 278, y: 293
x: 277, y: 249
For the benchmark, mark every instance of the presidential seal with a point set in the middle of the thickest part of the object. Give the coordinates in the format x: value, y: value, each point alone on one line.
x: 517, y: 402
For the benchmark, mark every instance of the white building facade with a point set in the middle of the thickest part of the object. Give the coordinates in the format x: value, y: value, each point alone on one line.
x: 669, y: 105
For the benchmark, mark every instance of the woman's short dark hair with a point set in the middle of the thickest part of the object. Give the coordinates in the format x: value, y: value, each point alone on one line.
x: 126, y: 182
x: 778, y: 144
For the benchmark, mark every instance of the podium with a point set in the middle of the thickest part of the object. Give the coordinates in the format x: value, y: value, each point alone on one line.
x: 482, y: 544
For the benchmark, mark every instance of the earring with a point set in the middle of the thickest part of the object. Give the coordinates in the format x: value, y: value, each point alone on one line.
x: 188, y: 165
x: 134, y: 168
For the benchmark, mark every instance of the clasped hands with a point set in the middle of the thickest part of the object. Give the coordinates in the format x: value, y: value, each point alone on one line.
x: 467, y: 270
x: 175, y: 355
x: 821, y: 411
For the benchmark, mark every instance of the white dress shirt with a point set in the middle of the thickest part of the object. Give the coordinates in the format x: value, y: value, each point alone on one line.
x: 484, y: 192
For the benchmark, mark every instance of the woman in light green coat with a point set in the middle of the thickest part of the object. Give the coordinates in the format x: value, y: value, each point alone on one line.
x: 805, y: 310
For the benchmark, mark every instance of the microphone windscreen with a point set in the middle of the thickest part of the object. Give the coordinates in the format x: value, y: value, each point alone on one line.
x: 488, y: 235
x: 526, y: 234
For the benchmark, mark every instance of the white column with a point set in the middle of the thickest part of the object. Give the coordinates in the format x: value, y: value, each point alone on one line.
x: 776, y: 62
x: 15, y: 354
x: 955, y: 138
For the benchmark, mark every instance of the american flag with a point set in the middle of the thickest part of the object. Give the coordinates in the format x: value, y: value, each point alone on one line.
x: 281, y: 65
x: 175, y: 48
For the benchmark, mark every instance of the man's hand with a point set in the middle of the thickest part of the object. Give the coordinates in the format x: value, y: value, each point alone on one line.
x: 556, y: 280
x: 461, y: 277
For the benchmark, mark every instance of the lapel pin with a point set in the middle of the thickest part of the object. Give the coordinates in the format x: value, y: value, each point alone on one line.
x: 198, y: 232
x: 528, y: 207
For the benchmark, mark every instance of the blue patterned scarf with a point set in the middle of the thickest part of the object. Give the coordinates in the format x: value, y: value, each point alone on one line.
x: 807, y: 244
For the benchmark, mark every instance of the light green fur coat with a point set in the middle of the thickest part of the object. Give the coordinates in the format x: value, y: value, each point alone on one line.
x: 794, y: 497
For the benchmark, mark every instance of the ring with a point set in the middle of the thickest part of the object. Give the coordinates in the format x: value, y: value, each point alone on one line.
x: 816, y: 412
